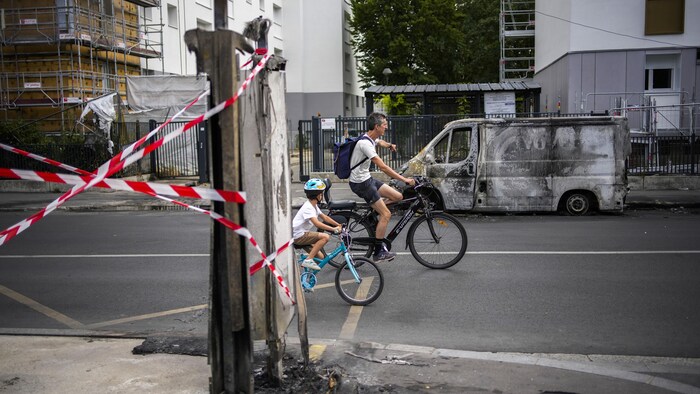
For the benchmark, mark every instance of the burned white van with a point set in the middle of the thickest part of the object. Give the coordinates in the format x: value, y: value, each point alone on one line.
x: 568, y: 164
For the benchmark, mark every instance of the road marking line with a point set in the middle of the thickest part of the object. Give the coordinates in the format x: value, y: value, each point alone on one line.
x: 350, y: 325
x: 78, y: 256
x: 484, y: 252
x: 593, y: 252
x: 555, y: 252
x: 43, y: 309
x: 324, y: 286
x: 146, y: 316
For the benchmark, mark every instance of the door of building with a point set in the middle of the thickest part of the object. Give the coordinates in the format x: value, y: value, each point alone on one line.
x: 661, y: 85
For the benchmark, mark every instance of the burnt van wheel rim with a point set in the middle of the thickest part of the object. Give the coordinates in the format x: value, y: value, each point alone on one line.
x: 577, y: 204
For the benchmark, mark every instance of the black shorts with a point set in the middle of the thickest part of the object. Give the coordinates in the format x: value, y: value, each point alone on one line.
x: 368, y: 190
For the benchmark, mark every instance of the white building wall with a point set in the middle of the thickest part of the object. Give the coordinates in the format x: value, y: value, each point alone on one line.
x: 320, y: 63
x: 317, y: 43
x: 552, y: 36
x: 321, y: 68
x: 593, y: 56
x: 565, y: 26
x: 350, y: 75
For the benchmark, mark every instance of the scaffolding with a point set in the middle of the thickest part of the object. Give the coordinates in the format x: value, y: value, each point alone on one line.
x: 517, y: 38
x: 58, y: 54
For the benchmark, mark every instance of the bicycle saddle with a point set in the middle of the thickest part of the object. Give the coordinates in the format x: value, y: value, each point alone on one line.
x: 336, y: 205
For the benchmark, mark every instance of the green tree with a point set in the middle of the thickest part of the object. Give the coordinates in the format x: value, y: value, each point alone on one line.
x: 426, y: 41
x: 396, y: 105
x: 479, y: 60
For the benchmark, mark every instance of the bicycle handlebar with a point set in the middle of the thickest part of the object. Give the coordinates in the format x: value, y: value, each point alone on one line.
x: 421, y: 181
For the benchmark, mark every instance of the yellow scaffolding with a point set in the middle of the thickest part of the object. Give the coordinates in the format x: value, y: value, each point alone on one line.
x: 56, y: 54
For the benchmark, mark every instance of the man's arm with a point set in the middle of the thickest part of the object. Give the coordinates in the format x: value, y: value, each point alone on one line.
x: 385, y: 144
x: 383, y: 167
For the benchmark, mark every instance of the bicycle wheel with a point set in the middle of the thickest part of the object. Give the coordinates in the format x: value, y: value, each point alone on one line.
x: 364, y: 291
x: 444, y: 249
x: 361, y: 234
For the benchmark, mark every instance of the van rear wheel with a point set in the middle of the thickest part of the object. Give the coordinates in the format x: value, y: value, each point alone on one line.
x: 577, y: 204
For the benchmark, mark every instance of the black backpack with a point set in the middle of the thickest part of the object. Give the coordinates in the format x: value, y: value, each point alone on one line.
x: 342, y: 153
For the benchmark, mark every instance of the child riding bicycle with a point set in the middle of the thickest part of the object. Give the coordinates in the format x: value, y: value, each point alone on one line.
x: 308, y: 217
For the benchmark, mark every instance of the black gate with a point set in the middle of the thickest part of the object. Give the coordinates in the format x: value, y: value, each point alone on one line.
x: 184, y: 156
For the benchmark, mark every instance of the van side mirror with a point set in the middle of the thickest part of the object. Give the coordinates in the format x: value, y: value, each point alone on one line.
x: 470, y: 169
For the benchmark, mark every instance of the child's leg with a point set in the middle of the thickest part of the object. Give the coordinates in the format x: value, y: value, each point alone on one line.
x: 318, y: 245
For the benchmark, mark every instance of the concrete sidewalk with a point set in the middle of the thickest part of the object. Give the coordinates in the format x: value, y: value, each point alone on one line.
x: 67, y: 364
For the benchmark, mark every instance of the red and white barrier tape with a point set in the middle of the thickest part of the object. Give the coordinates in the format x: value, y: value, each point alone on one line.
x: 152, y: 189
x: 115, y: 164
x: 244, y: 232
x: 134, y: 186
x: 126, y: 157
x: 133, y: 157
x: 104, y: 168
x: 260, y: 263
x: 119, y: 157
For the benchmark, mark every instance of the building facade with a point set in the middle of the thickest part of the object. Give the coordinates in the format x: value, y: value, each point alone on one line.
x: 60, y: 53
x: 322, y: 77
x: 57, y: 54
x: 601, y: 55
x: 312, y: 35
x: 178, y: 16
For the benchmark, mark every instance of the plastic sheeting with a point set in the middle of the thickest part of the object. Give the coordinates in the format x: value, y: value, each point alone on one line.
x: 161, y: 96
x: 104, y: 110
x: 158, y: 97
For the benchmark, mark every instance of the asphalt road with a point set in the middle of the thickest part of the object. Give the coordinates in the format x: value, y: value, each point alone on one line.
x: 605, y: 284
x: 134, y: 272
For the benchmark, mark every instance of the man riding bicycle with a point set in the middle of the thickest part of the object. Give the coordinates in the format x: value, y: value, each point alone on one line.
x: 372, y: 190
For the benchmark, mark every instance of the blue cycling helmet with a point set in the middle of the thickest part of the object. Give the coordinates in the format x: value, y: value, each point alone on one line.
x: 313, y: 187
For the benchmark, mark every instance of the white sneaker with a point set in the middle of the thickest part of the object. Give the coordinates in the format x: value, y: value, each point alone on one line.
x: 310, y: 264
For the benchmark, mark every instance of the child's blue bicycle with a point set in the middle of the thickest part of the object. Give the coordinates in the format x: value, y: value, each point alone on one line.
x: 358, y: 280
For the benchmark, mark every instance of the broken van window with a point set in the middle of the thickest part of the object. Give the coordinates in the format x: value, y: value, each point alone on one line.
x: 459, y: 150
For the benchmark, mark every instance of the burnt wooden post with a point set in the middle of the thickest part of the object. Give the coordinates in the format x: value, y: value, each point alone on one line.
x: 266, y: 181
x: 230, y: 340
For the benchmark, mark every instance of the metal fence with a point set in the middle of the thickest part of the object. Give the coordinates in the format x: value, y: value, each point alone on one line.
x: 86, y: 157
x: 651, y: 154
x: 662, y: 120
x: 664, y: 155
x: 184, y: 156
